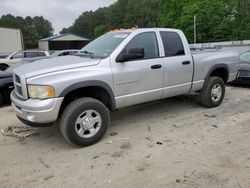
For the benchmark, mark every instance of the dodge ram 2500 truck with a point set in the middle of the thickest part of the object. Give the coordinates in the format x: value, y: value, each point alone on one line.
x: 116, y: 70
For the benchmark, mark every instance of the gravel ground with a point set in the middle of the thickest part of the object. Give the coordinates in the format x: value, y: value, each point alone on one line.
x: 170, y: 143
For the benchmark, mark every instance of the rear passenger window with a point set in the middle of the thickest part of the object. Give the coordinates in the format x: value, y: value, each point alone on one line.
x: 148, y: 41
x: 172, y: 42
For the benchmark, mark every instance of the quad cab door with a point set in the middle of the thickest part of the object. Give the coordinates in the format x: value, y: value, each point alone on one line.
x: 178, y: 64
x: 139, y: 80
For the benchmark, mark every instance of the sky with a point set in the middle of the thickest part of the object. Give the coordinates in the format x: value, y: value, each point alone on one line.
x: 61, y: 13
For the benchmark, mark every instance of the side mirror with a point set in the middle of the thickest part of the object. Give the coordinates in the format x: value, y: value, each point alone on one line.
x: 133, y: 54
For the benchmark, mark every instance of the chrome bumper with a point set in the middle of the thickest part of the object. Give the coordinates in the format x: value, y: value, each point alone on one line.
x: 36, y: 111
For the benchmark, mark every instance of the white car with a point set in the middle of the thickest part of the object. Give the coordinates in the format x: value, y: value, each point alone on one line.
x: 19, y: 56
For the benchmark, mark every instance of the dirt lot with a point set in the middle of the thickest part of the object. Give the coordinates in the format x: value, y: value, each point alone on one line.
x: 171, y: 143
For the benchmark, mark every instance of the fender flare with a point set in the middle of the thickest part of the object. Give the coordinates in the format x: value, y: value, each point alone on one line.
x: 217, y: 66
x: 91, y: 83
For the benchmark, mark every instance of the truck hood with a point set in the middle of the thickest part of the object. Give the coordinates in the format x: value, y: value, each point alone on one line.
x: 45, y: 66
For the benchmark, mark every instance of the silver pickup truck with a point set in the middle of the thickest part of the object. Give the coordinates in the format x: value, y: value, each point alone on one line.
x: 119, y: 69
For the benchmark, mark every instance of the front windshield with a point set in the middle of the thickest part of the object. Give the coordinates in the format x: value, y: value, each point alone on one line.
x: 103, y: 46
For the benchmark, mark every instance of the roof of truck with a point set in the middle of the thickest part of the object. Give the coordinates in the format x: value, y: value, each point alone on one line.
x: 142, y: 29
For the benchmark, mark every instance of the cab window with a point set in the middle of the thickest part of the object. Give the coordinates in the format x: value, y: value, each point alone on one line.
x: 173, y: 45
x: 148, y: 41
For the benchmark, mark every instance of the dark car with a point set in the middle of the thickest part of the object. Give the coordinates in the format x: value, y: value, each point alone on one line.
x: 244, y: 69
x: 6, y: 86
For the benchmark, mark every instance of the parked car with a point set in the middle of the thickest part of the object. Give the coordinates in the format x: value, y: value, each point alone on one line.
x: 244, y: 69
x: 19, y: 56
x: 117, y: 70
x: 6, y: 86
x: 54, y: 54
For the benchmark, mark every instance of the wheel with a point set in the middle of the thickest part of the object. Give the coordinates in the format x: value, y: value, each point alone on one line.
x: 3, y: 67
x: 213, y: 92
x: 84, y: 122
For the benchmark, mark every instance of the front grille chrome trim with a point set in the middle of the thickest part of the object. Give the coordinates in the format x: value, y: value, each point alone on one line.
x: 20, y: 85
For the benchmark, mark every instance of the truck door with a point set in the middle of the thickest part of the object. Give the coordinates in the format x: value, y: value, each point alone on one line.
x: 140, y: 80
x: 178, y: 66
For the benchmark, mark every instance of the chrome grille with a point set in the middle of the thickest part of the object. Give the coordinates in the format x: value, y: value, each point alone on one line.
x: 19, y: 90
x: 20, y: 86
x: 17, y: 79
x: 244, y: 73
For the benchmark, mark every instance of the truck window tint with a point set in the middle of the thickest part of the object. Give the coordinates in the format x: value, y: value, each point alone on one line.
x: 148, y: 41
x: 173, y: 45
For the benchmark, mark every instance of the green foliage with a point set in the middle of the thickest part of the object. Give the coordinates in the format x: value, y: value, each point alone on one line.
x: 99, y: 30
x: 217, y: 20
x: 42, y: 26
x: 32, y: 29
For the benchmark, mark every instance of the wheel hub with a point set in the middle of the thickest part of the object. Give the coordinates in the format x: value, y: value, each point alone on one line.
x: 216, y: 92
x: 88, y: 123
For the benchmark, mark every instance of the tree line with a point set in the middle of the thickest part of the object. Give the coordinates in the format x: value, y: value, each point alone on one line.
x: 217, y: 20
x: 32, y: 29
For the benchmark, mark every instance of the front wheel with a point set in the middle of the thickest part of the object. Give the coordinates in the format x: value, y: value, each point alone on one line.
x: 85, y: 121
x: 213, y: 92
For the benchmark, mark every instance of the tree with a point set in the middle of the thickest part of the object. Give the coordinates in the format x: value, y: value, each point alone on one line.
x: 32, y: 29
x: 217, y: 20
x: 42, y: 26
x: 99, y: 30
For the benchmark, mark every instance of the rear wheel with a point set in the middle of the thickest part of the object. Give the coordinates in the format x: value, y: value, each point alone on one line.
x: 213, y: 92
x: 85, y: 121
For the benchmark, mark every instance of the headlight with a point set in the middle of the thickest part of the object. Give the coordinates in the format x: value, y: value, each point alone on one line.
x: 41, y: 92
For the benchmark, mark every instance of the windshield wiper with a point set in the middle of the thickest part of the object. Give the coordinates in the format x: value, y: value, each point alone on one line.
x: 91, y: 54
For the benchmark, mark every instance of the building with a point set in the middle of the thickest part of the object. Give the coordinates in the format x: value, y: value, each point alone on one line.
x: 11, y: 40
x: 63, y: 42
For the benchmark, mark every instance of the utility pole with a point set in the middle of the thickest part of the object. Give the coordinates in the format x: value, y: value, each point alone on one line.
x: 195, y: 29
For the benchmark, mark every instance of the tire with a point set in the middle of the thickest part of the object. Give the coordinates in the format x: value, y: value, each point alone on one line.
x: 3, y: 67
x: 213, y: 92
x: 84, y: 121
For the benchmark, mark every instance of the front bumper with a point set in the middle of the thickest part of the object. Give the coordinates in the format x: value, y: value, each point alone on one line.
x: 36, y: 111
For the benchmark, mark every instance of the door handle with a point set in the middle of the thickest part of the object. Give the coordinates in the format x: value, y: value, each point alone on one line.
x: 156, y: 66
x: 186, y: 62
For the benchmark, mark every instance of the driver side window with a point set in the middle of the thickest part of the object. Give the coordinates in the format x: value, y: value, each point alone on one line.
x: 148, y: 41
